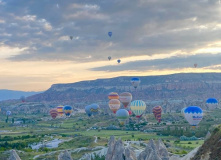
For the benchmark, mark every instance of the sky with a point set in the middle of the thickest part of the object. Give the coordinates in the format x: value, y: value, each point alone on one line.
x: 150, y: 37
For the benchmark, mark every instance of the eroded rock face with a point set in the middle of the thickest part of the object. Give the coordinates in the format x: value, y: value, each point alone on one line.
x: 14, y: 155
x: 117, y: 151
x: 64, y: 156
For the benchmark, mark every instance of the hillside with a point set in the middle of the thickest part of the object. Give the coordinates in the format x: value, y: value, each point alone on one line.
x: 10, y: 94
x: 210, y: 150
x: 176, y: 86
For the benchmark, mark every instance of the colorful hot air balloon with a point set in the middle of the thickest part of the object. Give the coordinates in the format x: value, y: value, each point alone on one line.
x: 195, y: 65
x: 113, y: 95
x: 130, y: 112
x: 109, y: 58
x: 53, y: 113
x: 114, y: 105
x: 22, y: 98
x: 60, y: 110
x: 138, y: 107
x: 157, y: 112
x: 8, y: 113
x: 135, y: 82
x: 67, y: 110
x: 182, y: 112
x: 122, y: 115
x: 109, y: 34
x: 118, y: 61
x: 71, y: 37
x: 94, y: 108
x: 193, y: 115
x: 125, y: 98
x: 212, y: 103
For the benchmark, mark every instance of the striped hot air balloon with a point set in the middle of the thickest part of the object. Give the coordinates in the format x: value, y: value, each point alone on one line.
x: 157, y: 112
x: 113, y: 95
x: 138, y: 107
x: 125, y: 98
x: 60, y: 110
x: 53, y: 113
x: 114, y: 105
x: 67, y: 110
x: 122, y: 115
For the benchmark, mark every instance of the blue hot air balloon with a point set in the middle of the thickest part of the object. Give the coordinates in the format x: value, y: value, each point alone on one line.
x: 67, y: 110
x: 193, y: 115
x: 118, y: 61
x: 212, y: 103
x: 109, y: 34
x: 122, y: 115
x: 94, y: 108
x: 135, y: 82
x: 8, y: 113
x: 87, y: 110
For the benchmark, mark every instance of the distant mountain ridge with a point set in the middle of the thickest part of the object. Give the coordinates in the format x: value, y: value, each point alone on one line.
x: 11, y: 94
x: 175, y: 86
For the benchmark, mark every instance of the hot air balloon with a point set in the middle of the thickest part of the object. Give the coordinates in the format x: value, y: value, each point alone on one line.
x: 118, y: 61
x: 109, y: 58
x: 8, y: 113
x: 53, y: 113
x: 71, y: 37
x: 130, y: 112
x: 60, y: 110
x: 212, y: 103
x: 122, y: 115
x: 67, y: 110
x: 182, y: 112
x: 114, y: 105
x: 109, y: 34
x: 135, y: 82
x: 125, y: 98
x: 22, y: 98
x: 193, y: 115
x: 138, y: 107
x: 94, y: 108
x: 113, y: 95
x: 157, y: 112
x: 88, y: 111
x: 195, y: 65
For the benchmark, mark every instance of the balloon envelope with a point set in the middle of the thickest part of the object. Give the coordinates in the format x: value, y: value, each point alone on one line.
x: 114, y: 105
x: 138, y: 107
x: 157, y: 112
x: 92, y: 109
x: 195, y: 65
x: 8, y: 113
x: 125, y: 98
x: 53, y: 113
x: 67, y: 110
x: 118, y: 61
x: 22, y: 98
x: 135, y: 82
x: 109, y: 57
x: 109, y: 34
x: 87, y: 110
x: 193, y: 115
x: 60, y: 110
x: 71, y: 37
x: 122, y: 115
x: 113, y: 95
x: 212, y: 103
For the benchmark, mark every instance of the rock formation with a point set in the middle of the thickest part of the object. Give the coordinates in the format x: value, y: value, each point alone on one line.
x: 14, y: 156
x: 154, y: 151
x: 117, y: 151
x: 64, y: 156
x: 208, y: 135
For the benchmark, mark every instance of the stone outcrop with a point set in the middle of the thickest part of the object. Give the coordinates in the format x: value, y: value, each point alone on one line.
x: 14, y: 156
x: 154, y: 151
x: 208, y: 135
x: 117, y: 151
x: 64, y: 156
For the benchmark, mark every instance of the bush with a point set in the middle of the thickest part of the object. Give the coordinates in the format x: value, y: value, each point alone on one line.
x: 189, y: 142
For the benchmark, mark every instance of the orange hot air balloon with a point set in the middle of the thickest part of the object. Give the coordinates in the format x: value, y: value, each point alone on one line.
x: 125, y: 98
x: 53, y: 113
x: 113, y: 95
x: 157, y: 112
x: 60, y: 110
x: 114, y: 105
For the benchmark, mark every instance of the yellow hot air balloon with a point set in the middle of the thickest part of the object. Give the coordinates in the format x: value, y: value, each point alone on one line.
x: 60, y: 110
x: 125, y: 98
x: 138, y: 107
x: 114, y: 105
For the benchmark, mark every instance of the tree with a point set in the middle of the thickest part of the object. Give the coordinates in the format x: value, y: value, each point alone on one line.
x: 13, y: 120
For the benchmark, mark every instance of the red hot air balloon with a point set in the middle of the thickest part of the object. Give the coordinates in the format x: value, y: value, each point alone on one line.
x: 130, y: 112
x: 157, y: 112
x: 53, y: 113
